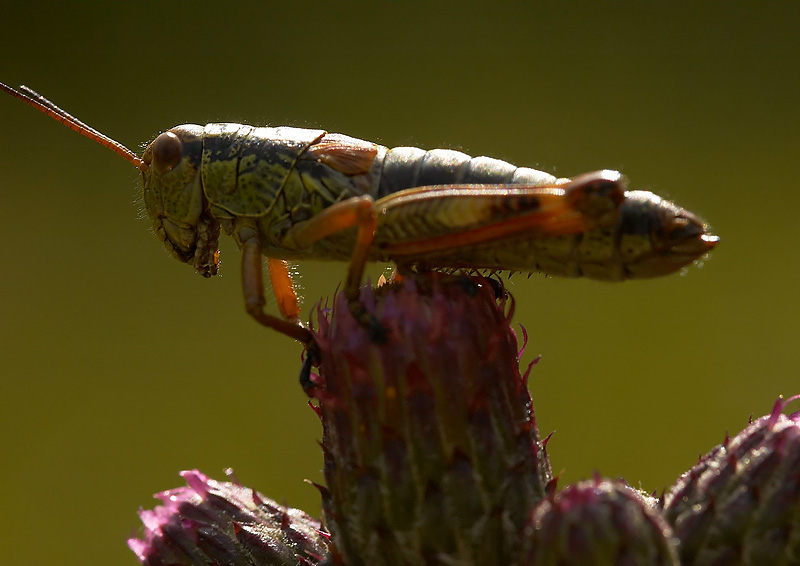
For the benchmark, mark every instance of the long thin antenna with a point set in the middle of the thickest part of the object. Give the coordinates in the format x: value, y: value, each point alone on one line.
x: 32, y: 98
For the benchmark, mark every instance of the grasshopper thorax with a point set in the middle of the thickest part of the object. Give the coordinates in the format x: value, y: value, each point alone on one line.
x: 174, y: 198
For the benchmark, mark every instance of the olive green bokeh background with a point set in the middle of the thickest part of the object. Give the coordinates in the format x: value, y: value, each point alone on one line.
x: 121, y: 367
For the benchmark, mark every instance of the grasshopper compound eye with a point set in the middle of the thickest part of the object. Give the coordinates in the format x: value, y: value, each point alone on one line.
x: 167, y: 150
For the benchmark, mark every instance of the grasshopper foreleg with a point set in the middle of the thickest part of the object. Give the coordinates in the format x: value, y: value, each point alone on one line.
x: 253, y: 286
x: 356, y: 212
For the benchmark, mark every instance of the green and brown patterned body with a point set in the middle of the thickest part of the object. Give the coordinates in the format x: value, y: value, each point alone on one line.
x: 294, y: 193
x: 276, y: 179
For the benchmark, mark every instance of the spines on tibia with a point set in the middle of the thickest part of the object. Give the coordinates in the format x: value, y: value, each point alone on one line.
x: 409, y: 167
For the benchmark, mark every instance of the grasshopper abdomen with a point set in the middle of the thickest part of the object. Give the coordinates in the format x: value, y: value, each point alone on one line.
x: 408, y: 167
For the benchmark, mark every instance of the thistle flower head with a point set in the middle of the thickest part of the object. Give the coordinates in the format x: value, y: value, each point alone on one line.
x: 599, y: 522
x: 740, y: 504
x: 430, y: 444
x: 211, y: 523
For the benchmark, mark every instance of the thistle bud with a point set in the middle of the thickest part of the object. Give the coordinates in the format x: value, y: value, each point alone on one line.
x: 431, y: 449
x: 741, y: 503
x: 599, y: 523
x: 211, y: 523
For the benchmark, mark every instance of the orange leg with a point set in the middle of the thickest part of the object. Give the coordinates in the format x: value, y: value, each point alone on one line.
x: 358, y: 212
x: 253, y: 286
x: 283, y: 288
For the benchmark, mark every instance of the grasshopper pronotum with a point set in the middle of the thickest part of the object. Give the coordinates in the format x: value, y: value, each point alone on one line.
x: 292, y: 193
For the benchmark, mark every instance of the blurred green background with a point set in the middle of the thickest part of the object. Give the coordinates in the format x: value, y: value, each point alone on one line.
x: 121, y: 367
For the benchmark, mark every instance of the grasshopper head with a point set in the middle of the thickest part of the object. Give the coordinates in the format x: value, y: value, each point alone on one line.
x: 658, y: 237
x: 173, y: 195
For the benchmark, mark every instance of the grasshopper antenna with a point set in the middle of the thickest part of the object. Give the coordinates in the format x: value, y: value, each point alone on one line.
x: 33, y: 98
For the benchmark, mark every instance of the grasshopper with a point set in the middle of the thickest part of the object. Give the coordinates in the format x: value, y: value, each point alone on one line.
x: 293, y: 193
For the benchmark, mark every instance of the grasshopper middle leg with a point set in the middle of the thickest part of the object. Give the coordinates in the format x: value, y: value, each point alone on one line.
x: 356, y: 212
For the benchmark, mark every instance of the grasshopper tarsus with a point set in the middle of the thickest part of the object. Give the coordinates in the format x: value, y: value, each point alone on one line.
x: 497, y: 287
x: 312, y: 360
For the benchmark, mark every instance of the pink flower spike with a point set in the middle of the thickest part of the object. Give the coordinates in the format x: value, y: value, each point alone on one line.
x: 139, y: 548
x: 211, y: 522
x: 150, y: 519
x: 197, y: 481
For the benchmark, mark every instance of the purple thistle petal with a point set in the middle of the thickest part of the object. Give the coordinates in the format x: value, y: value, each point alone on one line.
x: 212, y: 523
x: 524, y: 341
